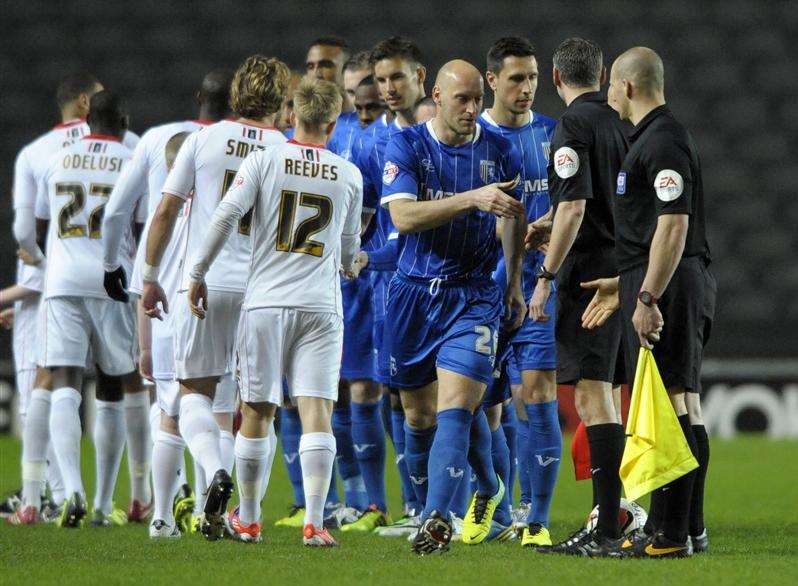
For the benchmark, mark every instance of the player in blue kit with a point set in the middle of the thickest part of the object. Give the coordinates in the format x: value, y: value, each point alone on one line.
x: 512, y: 74
x: 400, y: 80
x: 445, y: 182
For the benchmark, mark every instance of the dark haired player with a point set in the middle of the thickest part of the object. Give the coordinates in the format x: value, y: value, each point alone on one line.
x: 512, y: 74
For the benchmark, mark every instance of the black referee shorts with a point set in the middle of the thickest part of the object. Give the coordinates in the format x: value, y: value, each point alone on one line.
x: 688, y: 308
x: 581, y: 353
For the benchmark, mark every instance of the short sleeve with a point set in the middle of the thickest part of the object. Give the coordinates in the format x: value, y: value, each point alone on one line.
x: 668, y: 171
x: 180, y: 180
x: 400, y: 172
x: 569, y: 169
x: 511, y: 167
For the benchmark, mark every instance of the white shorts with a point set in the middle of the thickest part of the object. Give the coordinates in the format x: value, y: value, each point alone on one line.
x: 162, y: 350
x: 25, y: 379
x: 304, y: 347
x: 70, y: 327
x: 168, y: 396
x: 204, y: 347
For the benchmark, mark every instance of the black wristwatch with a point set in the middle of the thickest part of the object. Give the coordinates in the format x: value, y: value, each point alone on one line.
x: 543, y: 273
x: 647, y: 298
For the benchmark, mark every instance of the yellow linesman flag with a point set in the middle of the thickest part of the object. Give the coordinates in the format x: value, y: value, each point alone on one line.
x: 656, y: 450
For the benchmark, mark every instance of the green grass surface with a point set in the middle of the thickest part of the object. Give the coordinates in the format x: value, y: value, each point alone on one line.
x: 751, y: 514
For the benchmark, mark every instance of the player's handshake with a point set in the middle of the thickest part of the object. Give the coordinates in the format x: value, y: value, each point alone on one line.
x: 494, y: 199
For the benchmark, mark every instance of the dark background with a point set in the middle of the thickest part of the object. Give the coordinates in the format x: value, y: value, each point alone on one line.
x: 728, y: 74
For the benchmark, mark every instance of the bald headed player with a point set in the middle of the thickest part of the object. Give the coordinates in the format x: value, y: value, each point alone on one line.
x: 666, y: 291
x: 140, y: 185
x: 445, y: 183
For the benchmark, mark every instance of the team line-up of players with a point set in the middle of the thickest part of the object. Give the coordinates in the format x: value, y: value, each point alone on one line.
x: 348, y: 275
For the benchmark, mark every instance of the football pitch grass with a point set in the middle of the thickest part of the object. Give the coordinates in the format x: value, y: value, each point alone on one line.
x: 751, y: 514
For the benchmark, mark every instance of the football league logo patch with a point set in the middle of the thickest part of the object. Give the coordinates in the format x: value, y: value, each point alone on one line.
x: 566, y: 162
x: 546, y: 150
x: 487, y: 171
x: 668, y: 184
x: 389, y: 172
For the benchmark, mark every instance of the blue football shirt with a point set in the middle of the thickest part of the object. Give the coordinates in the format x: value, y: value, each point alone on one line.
x: 420, y: 167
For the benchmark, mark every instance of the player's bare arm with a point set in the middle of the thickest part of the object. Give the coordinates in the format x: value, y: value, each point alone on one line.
x: 667, y: 246
x: 161, y: 228
x: 417, y: 216
x: 565, y: 227
x: 513, y: 247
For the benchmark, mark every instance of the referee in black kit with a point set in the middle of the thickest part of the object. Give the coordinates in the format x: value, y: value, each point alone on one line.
x: 666, y: 291
x: 588, y: 147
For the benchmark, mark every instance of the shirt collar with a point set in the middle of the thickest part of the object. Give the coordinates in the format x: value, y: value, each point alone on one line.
x: 647, y: 120
x: 102, y: 137
x: 307, y: 144
x: 598, y: 96
x: 428, y: 124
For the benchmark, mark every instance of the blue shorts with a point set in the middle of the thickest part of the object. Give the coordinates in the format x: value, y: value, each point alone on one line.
x: 381, y: 358
x: 455, y: 328
x: 357, y: 362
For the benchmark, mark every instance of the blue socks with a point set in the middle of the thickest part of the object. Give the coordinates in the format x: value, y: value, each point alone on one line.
x: 500, y: 454
x: 355, y: 494
x: 462, y: 495
x: 290, y: 432
x: 522, y: 442
x: 448, y: 459
x: 417, y: 447
x: 398, y: 437
x: 545, y: 452
x: 368, y: 440
x: 479, y: 455
x: 510, y: 427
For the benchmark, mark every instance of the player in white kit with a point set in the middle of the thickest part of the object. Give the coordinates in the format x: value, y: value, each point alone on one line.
x: 203, y: 349
x: 141, y: 182
x: 307, y: 204
x: 73, y: 95
x: 75, y: 315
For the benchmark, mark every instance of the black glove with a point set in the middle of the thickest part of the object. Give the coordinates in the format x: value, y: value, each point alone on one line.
x: 115, y: 283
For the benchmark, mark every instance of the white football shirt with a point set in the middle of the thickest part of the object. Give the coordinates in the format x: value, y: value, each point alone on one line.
x: 306, y: 200
x: 207, y: 163
x: 73, y: 191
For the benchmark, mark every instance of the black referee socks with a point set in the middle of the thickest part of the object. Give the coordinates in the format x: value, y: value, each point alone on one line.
x: 606, y: 450
x: 697, y: 501
x: 678, y: 494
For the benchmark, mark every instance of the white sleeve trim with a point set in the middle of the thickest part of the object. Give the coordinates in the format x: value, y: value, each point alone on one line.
x: 170, y: 191
x: 395, y: 196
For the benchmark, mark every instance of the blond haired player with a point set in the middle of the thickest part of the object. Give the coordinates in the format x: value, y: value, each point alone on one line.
x: 307, y: 205
x: 75, y: 315
x: 203, y: 349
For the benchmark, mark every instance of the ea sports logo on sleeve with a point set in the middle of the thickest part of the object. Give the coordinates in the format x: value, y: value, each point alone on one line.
x: 668, y: 184
x: 389, y: 172
x: 566, y: 162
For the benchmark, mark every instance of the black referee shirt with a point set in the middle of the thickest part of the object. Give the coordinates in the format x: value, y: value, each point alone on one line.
x: 589, y: 145
x: 661, y: 174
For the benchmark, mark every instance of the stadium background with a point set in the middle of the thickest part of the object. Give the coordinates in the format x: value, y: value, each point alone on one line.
x: 728, y: 78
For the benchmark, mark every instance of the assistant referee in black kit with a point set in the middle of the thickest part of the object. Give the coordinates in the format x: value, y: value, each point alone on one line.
x: 666, y: 291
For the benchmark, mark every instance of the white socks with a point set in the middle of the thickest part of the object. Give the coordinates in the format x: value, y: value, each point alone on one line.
x: 167, y: 462
x: 200, y: 486
x: 267, y: 472
x: 54, y: 478
x: 36, y: 435
x: 317, y: 455
x: 65, y: 434
x: 227, y: 450
x: 139, y: 445
x: 251, y: 460
x: 201, y: 432
x: 109, y: 443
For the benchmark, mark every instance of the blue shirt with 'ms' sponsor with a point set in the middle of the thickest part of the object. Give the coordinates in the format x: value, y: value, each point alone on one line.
x: 420, y: 167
